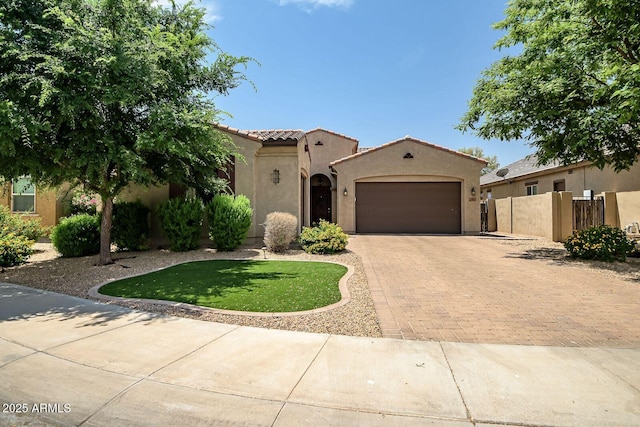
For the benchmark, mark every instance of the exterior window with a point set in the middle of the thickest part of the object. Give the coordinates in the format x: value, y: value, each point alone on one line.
x: 532, y: 190
x: 23, y: 195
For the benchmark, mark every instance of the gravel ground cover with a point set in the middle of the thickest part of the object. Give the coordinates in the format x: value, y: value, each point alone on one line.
x: 75, y: 276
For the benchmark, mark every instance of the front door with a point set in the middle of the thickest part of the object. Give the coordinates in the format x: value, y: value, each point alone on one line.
x: 320, y: 203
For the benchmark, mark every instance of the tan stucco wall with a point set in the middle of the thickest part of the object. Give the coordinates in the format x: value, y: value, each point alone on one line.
x: 628, y: 207
x: 333, y: 147
x: 546, y: 215
x: 577, y: 179
x: 270, y: 197
x: 503, y: 215
x: 428, y: 164
x: 48, y: 205
x: 245, y: 173
x: 152, y: 197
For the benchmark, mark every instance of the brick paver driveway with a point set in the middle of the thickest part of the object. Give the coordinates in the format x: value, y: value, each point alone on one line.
x: 488, y: 290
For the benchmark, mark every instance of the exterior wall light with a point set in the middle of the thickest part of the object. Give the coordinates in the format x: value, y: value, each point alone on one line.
x: 473, y: 191
x: 344, y: 192
x: 275, y: 176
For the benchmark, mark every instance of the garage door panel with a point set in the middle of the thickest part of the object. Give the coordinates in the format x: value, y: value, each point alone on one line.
x: 408, y: 207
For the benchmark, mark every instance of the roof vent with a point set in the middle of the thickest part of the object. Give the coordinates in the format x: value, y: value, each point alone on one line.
x: 408, y: 156
x: 319, y: 143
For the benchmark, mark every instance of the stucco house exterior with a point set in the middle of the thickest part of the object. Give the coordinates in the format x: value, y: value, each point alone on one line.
x: 525, y: 178
x: 404, y: 186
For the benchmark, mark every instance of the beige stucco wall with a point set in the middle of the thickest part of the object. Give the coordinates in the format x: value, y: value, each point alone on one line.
x: 48, y: 205
x: 628, y: 207
x: 428, y: 164
x: 576, y: 178
x: 281, y: 197
x: 546, y: 215
x: 503, y: 215
x: 333, y: 147
x: 152, y: 197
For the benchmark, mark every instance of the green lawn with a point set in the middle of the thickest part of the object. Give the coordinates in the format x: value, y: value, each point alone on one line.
x: 261, y: 286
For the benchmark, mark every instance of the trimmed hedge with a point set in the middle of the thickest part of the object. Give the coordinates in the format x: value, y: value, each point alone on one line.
x: 324, y: 238
x: 181, y: 222
x: 130, y: 228
x: 77, y: 235
x: 602, y: 243
x: 229, y: 220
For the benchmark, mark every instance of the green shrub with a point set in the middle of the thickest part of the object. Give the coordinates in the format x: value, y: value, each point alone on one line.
x: 14, y: 249
x: 229, y: 220
x: 77, y: 235
x: 181, y: 222
x: 130, y: 228
x: 280, y: 229
x: 324, y: 238
x: 602, y: 243
x: 31, y: 228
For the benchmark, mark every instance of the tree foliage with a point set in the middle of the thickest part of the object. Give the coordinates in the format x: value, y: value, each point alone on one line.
x: 573, y: 91
x: 104, y: 93
x: 479, y: 153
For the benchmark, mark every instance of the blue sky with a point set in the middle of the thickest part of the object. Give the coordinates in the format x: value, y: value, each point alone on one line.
x: 375, y: 70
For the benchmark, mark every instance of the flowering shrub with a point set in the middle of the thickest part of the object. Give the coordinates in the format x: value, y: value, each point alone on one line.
x: 280, y: 229
x: 602, y: 243
x: 324, y: 238
x: 84, y: 204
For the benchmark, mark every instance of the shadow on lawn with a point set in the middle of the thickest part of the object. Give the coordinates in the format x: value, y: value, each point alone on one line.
x: 186, y: 282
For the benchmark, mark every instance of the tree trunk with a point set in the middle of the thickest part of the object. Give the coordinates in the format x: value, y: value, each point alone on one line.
x: 105, y: 231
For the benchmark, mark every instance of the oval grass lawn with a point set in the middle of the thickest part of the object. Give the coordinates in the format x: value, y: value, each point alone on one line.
x: 259, y: 286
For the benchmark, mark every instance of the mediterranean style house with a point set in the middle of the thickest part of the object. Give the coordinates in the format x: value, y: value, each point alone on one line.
x: 404, y: 186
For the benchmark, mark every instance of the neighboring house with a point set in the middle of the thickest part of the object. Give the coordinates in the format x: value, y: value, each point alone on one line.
x: 525, y: 178
x: 404, y: 186
x: 23, y: 198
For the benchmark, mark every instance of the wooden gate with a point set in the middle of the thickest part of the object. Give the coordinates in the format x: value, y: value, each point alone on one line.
x: 587, y: 213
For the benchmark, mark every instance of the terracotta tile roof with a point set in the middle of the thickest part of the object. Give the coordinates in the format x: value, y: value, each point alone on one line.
x: 272, y: 135
x: 410, y: 139
x: 333, y: 133
x: 235, y: 131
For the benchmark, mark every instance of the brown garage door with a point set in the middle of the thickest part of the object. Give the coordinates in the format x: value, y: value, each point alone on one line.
x: 408, y: 207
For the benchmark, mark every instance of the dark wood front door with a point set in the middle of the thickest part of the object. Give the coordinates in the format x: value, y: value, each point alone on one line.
x: 320, y: 203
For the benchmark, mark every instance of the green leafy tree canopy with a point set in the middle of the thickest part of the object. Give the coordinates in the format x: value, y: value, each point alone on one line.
x: 104, y: 93
x: 479, y: 153
x: 573, y: 91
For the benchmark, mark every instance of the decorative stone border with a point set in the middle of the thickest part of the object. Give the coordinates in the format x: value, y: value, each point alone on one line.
x: 342, y: 285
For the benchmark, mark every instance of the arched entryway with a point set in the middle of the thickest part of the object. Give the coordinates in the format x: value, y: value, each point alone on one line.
x: 320, y: 198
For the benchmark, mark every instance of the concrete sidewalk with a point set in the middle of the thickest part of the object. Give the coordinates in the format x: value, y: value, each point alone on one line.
x: 69, y: 361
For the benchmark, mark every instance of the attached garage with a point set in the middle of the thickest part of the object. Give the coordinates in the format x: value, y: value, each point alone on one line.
x: 408, y: 186
x: 408, y: 207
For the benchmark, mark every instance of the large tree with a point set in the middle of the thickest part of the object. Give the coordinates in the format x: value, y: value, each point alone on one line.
x: 104, y: 93
x: 573, y: 91
x: 492, y: 161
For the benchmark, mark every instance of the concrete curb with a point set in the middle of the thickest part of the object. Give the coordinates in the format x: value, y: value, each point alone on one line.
x: 342, y: 284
